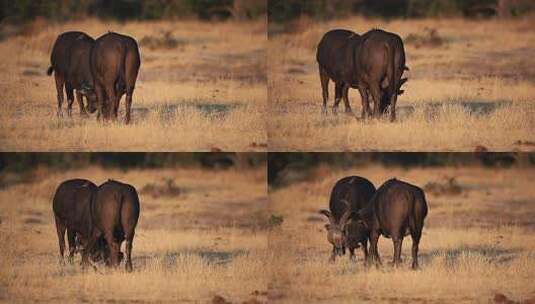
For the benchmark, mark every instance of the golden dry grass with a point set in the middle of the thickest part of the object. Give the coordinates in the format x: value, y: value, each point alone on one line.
x: 207, y: 241
x: 207, y: 91
x: 475, y: 245
x: 475, y: 89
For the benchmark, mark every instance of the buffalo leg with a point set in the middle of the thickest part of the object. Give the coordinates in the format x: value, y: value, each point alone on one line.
x: 128, y: 248
x: 72, y: 244
x: 393, y: 107
x: 397, y: 250
x: 114, y: 248
x: 352, y: 256
x: 365, y: 102
x: 415, y: 242
x: 116, y: 104
x: 128, y: 107
x: 99, y: 91
x: 365, y: 249
x: 374, y: 252
x: 92, y: 242
x: 338, y: 91
x: 60, y: 228
x: 376, y: 95
x: 324, y: 79
x: 345, y: 96
x: 80, y: 100
x: 112, y: 109
x: 70, y: 98
x: 333, y: 255
x: 59, y: 88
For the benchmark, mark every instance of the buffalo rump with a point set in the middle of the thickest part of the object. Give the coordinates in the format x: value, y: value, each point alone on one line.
x: 396, y: 210
x: 72, y: 212
x: 70, y: 64
x: 115, y: 212
x: 115, y: 64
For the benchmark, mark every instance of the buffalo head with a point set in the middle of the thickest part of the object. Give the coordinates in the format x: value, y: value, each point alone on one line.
x: 337, y: 232
x: 88, y: 91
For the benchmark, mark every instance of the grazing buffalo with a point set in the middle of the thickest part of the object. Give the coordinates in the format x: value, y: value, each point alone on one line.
x: 349, y: 195
x: 115, y: 64
x: 72, y: 212
x: 70, y: 64
x: 115, y: 212
x: 373, y: 63
x: 334, y: 54
x: 397, y: 209
x: 381, y: 65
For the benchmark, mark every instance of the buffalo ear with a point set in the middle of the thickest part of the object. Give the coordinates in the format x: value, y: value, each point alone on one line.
x: 400, y: 92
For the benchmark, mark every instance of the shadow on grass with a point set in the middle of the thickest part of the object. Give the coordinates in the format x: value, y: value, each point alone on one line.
x: 211, y: 257
x: 169, y: 112
x: 490, y: 254
x: 434, y: 109
x: 166, y: 113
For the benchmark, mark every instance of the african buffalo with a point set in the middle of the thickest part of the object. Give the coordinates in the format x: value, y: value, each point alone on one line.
x: 335, y: 53
x: 397, y: 209
x: 70, y: 64
x: 350, y: 194
x: 115, y: 212
x: 115, y: 64
x: 380, y: 67
x: 373, y: 63
x: 71, y: 206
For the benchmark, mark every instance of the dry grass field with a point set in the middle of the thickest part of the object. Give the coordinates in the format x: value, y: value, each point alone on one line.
x: 199, y: 237
x: 477, y: 245
x: 201, y: 87
x: 471, y: 83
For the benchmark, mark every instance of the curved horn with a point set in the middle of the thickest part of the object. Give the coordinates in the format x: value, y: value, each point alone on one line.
x: 328, y: 214
x: 345, y: 217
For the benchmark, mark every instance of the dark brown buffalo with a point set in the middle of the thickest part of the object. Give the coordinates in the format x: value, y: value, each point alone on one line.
x: 70, y: 64
x: 396, y: 210
x: 115, y: 64
x: 71, y: 206
x: 373, y: 63
x: 335, y: 54
x: 349, y: 195
x: 115, y: 212
x: 381, y: 65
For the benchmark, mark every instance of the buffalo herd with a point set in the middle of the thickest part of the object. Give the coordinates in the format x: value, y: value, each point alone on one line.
x: 373, y: 63
x: 102, y: 70
x: 97, y: 220
x: 360, y: 213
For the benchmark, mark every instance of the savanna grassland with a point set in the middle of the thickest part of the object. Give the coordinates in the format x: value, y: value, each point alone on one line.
x: 200, y: 236
x: 201, y: 87
x: 471, y: 84
x: 477, y: 244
